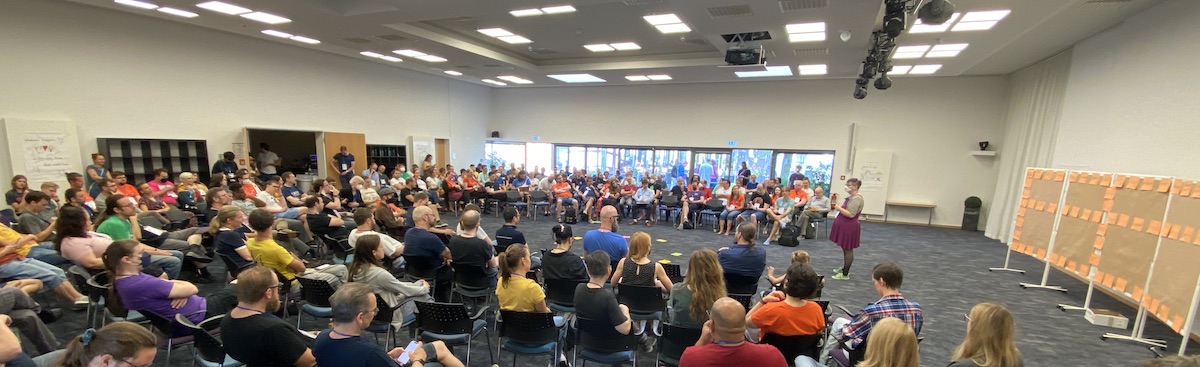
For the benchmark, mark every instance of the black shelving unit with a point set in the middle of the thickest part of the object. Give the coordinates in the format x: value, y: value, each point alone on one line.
x: 391, y: 155
x: 138, y: 158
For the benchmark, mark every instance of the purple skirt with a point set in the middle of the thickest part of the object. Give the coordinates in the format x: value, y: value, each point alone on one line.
x: 846, y: 232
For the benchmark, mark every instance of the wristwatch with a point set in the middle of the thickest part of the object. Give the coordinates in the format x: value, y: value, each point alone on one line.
x: 414, y: 362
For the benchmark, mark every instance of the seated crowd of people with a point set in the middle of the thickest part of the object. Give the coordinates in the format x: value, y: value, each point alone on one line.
x: 396, y: 254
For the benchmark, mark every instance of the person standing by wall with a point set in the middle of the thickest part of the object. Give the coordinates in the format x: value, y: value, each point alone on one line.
x: 846, y: 228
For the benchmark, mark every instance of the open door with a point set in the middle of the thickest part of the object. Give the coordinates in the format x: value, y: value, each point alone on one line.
x: 442, y: 147
x: 355, y: 143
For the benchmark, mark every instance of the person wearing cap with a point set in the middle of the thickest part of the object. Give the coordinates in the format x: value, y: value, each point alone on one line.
x: 387, y: 212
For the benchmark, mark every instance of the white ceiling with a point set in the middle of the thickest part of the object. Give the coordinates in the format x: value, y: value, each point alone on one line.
x: 1034, y: 30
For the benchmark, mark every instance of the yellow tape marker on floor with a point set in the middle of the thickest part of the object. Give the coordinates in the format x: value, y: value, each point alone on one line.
x: 676, y: 254
x: 661, y: 240
x: 665, y: 261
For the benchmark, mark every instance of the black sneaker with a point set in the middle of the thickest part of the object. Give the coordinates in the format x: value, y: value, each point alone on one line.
x: 49, y: 315
x: 192, y: 256
x: 646, y: 344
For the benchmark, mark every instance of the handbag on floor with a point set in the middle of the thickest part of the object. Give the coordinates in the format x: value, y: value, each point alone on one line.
x: 788, y: 236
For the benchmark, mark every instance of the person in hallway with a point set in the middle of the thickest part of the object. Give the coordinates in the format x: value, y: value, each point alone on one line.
x: 990, y: 339
x: 226, y: 167
x: 268, y: 162
x: 846, y: 228
x: 723, y: 339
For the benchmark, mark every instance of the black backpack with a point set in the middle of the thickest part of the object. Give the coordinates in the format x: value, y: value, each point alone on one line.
x: 789, y: 236
x: 569, y: 216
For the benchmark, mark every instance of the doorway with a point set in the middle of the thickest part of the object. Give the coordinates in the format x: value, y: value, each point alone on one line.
x: 442, y: 147
x: 711, y: 166
x: 297, y: 150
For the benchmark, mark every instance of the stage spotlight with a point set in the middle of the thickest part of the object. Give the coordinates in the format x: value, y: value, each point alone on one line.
x: 883, y: 83
x: 860, y: 92
x: 935, y: 12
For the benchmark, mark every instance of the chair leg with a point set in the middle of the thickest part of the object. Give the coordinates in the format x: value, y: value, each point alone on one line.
x: 298, y: 316
x: 488, y: 334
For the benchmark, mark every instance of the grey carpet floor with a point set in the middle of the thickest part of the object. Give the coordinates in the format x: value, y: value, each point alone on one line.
x: 946, y: 271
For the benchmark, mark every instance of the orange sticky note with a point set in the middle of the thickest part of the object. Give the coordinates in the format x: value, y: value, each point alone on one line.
x: 1132, y: 182
x: 1166, y: 229
x: 1085, y: 214
x: 1095, y: 180
x: 1108, y: 204
x: 1062, y: 260
x: 1054, y: 258
x: 1102, y: 229
x: 1020, y: 222
x: 1074, y: 176
x: 1020, y: 212
x: 1016, y: 235
x: 1028, y: 182
x: 1120, y: 182
x: 1041, y: 253
x: 1075, y: 212
x: 1197, y: 242
x: 1025, y: 203
x: 1138, y: 224
x: 1163, y: 311
x: 1050, y: 207
x: 1037, y: 175
x: 1097, y: 216
x: 1041, y: 206
x: 1112, y: 219
x: 1196, y: 192
x: 1094, y: 260
x: 1174, y: 233
x: 1177, y: 323
x: 1121, y: 284
x: 1123, y: 220
x: 1108, y: 280
x: 1136, y: 293
x: 1025, y: 194
x: 1058, y: 176
x: 1106, y: 179
x: 1083, y: 269
x: 1148, y: 184
x: 1188, y: 232
x: 1154, y: 304
x: 1072, y: 265
x: 1110, y: 193
x: 1154, y: 227
x: 1099, y: 245
x: 1186, y: 188
x: 1029, y: 172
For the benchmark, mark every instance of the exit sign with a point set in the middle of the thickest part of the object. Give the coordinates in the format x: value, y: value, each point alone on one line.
x: 732, y: 143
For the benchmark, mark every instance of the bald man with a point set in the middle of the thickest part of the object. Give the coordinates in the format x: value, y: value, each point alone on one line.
x: 723, y: 340
x: 424, y: 250
x: 605, y: 238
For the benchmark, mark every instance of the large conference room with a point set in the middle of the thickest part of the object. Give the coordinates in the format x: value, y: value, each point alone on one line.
x: 1024, y: 162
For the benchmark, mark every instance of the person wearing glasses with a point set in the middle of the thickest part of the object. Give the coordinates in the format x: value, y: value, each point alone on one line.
x: 253, y: 335
x: 135, y: 290
x: 118, y: 343
x: 343, y: 344
x: 606, y: 238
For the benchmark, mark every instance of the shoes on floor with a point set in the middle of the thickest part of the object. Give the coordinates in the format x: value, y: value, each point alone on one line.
x: 767, y: 242
x: 49, y: 315
x: 839, y: 276
x: 646, y: 344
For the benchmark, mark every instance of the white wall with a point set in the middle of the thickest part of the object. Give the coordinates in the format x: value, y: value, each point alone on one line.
x: 123, y: 75
x: 930, y: 123
x: 1132, y: 99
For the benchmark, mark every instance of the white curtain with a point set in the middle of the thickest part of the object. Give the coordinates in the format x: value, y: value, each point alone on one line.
x: 1035, y: 103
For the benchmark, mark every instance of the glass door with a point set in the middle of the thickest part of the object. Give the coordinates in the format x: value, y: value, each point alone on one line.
x: 602, y: 160
x: 639, y: 161
x: 672, y: 164
x: 757, y: 160
x: 816, y: 166
x: 711, y: 166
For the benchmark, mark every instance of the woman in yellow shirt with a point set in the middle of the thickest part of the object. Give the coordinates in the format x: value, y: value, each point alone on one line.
x: 515, y: 292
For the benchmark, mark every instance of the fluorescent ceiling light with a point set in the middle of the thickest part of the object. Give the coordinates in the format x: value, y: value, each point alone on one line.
x: 525, y: 12
x: 908, y: 55
x: 806, y: 37
x: 919, y: 27
x: 577, y: 78
x: 973, y: 26
x: 899, y: 69
x: 303, y: 39
x: 514, y: 39
x: 636, y: 78
x: 918, y: 48
x: 494, y: 82
x: 806, y: 27
x: 993, y: 15
x: 452, y: 72
x: 275, y: 33
x: 625, y: 46
x: 266, y: 18
x: 659, y: 77
x: 371, y: 54
x: 662, y: 19
x: 599, y: 48
x: 137, y: 4
x: 559, y: 9
x: 495, y: 32
x: 178, y: 13
x: 923, y: 69
x: 673, y: 28
x: 391, y: 58
x: 221, y: 7
x: 815, y: 69
x: 946, y: 50
x: 515, y: 79
x: 431, y: 58
x: 781, y: 70
x: 409, y: 53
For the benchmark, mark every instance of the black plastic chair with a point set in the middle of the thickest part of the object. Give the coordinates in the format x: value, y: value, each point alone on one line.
x: 539, y: 198
x: 210, y: 350
x: 560, y: 294
x: 79, y: 276
x: 646, y: 303
x: 528, y: 333
x: 315, y: 296
x: 517, y: 201
x: 231, y: 268
x: 744, y: 299
x: 674, y: 271
x: 740, y: 284
x: 673, y: 341
x: 795, y: 345
x: 598, y: 341
x: 340, y: 246
x: 450, y: 323
x: 382, y: 322
x: 165, y: 328
x: 712, y: 208
x: 472, y: 283
x: 419, y: 268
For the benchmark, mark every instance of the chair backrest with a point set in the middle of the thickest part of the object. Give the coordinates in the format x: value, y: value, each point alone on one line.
x: 532, y: 328
x: 159, y: 323
x: 600, y: 336
x: 670, y: 200
x: 744, y: 299
x: 386, y: 312
x: 339, y: 245
x: 233, y: 269
x: 715, y: 204
x: 562, y: 291
x: 471, y: 276
x: 673, y: 341
x: 674, y: 271
x: 513, y: 196
x: 206, y: 342
x: 795, y: 345
x: 741, y: 284
x: 419, y: 267
x: 538, y: 195
x: 641, y: 298
x: 443, y: 318
x: 80, y: 277
x: 316, y: 291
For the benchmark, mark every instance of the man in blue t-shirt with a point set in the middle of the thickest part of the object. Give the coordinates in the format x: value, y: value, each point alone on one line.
x: 343, y: 345
x: 343, y: 163
x: 424, y: 250
x: 291, y: 193
x: 606, y: 239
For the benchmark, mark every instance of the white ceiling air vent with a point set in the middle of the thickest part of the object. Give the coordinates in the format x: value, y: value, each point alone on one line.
x: 797, y: 5
x: 542, y: 51
x: 811, y: 51
x: 391, y: 37
x: 643, y: 2
x: 357, y: 40
x: 730, y: 11
x: 1104, y: 4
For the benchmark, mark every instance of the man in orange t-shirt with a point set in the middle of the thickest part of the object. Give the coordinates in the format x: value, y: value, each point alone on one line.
x: 562, y: 196
x: 123, y: 186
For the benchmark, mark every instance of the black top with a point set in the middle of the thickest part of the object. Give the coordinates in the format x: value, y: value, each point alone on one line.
x: 350, y: 352
x: 508, y: 235
x: 634, y: 274
x: 597, y: 304
x: 565, y: 265
x: 319, y: 224
x: 262, y: 341
x: 419, y: 242
x: 403, y: 197
x: 470, y: 251
x: 228, y: 241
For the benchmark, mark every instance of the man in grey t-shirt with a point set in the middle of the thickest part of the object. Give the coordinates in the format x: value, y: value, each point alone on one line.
x: 817, y: 207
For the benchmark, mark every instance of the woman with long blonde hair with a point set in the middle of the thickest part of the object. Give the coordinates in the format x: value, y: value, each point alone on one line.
x: 891, y: 343
x: 990, y: 339
x: 693, y: 298
x: 637, y: 269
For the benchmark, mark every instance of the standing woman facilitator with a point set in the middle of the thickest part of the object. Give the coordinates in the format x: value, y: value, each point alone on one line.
x: 846, y: 228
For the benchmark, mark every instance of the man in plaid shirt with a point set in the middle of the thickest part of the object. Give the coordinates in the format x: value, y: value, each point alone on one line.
x: 887, y: 278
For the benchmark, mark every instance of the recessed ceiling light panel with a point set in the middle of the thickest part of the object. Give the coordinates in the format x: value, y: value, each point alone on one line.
x: 673, y: 28
x: 409, y: 53
x: 221, y: 7
x: 431, y: 58
x: 371, y: 54
x: 919, y: 27
x: 307, y: 40
x: 973, y: 26
x: 813, y: 69
x: 899, y: 69
x: 452, y: 72
x: 178, y: 13
x: 577, y: 78
x: 806, y: 27
x: 559, y: 9
x: 495, y: 32
x: 662, y: 19
x: 924, y: 69
x: 526, y: 12
x: 266, y: 18
x: 137, y: 4
x: 600, y: 47
x: 636, y: 78
x: 771, y: 71
x: 625, y: 46
x: 659, y: 77
x: 981, y: 16
x: 390, y: 58
x: 514, y: 39
x: 275, y: 33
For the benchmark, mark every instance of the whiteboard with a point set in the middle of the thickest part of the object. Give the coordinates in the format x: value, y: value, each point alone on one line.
x: 418, y: 147
x: 874, y: 169
x: 43, y: 151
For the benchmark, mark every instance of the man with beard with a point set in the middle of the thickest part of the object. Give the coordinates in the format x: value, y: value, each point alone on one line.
x: 254, y: 336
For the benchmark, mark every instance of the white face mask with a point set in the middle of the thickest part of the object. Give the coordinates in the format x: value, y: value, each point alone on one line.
x: 402, y: 169
x: 847, y: 189
x: 246, y: 181
x: 360, y: 187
